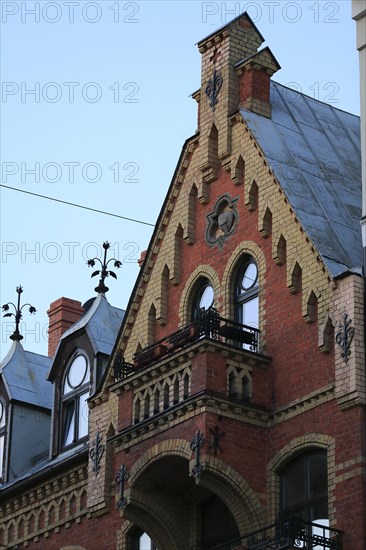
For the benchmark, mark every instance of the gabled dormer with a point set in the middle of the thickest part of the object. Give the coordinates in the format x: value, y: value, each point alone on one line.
x: 26, y: 402
x: 77, y: 368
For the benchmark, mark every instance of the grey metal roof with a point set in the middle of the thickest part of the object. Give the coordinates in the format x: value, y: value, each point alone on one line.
x: 101, y: 322
x: 25, y: 376
x: 314, y: 152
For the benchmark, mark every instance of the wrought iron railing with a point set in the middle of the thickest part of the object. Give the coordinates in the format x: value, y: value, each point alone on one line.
x: 208, y: 324
x: 283, y: 535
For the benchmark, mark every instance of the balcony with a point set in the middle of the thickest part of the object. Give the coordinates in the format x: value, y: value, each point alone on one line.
x: 285, y: 535
x: 209, y: 324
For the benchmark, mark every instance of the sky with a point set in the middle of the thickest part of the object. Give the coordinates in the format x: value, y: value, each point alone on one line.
x: 95, y: 108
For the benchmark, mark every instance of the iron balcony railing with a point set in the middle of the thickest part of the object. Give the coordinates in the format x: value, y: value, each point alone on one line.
x: 208, y: 324
x: 283, y: 535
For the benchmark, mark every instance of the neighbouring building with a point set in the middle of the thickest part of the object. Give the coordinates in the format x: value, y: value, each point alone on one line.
x: 231, y: 412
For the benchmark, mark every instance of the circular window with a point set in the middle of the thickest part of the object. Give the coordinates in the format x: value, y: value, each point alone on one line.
x: 77, y: 372
x: 250, y: 276
x: 207, y: 297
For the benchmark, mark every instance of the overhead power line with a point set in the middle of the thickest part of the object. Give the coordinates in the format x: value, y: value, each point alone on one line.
x: 77, y: 205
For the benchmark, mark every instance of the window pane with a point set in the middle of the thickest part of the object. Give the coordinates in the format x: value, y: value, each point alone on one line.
x: 2, y: 414
x: 318, y: 483
x: 250, y: 276
x: 77, y: 372
x: 250, y: 313
x: 294, y: 484
x: 2, y: 445
x: 145, y: 542
x: 83, y: 416
x: 207, y: 297
x: 319, y: 512
x: 69, y: 424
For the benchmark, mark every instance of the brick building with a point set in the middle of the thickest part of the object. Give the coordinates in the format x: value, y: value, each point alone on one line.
x: 232, y: 411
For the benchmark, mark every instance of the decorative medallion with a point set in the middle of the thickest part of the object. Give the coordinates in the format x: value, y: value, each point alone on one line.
x: 197, y: 442
x: 345, y: 336
x: 213, y: 88
x: 96, y: 452
x: 120, y: 479
x: 222, y: 221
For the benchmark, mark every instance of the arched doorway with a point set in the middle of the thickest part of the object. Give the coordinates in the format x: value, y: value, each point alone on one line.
x: 169, y: 511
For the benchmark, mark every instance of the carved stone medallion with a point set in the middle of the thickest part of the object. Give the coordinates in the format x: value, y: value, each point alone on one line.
x: 222, y: 221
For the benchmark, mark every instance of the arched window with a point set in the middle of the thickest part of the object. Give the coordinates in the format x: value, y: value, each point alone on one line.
x: 246, y: 293
x: 2, y: 437
x: 203, y: 297
x: 304, y: 487
x: 75, y: 392
x: 142, y: 541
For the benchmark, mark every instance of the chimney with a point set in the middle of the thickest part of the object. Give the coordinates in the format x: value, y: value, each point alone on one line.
x: 255, y: 81
x: 141, y: 260
x: 63, y: 313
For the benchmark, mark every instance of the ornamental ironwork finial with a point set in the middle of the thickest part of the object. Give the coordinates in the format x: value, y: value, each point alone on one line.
x: 345, y: 336
x: 120, y: 479
x: 18, y: 314
x: 96, y: 452
x: 213, y: 88
x: 104, y: 272
x: 197, y: 442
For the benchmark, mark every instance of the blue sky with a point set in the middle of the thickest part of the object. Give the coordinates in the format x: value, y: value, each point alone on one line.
x: 95, y: 108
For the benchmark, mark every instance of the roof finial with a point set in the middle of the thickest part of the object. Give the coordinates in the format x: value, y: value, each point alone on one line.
x: 101, y: 288
x: 18, y: 314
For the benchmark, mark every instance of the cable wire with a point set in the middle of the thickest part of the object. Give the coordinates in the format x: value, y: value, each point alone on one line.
x: 77, y: 205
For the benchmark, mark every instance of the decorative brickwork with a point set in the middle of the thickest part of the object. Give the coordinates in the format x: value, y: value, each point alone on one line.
x: 46, y: 509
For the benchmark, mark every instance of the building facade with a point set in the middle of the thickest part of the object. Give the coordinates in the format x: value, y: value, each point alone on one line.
x: 231, y: 413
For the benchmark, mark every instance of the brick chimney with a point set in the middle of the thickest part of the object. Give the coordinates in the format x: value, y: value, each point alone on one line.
x: 234, y: 75
x: 255, y: 80
x: 140, y: 261
x: 63, y: 313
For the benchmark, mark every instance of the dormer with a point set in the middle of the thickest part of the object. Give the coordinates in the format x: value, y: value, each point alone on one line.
x: 26, y: 402
x: 77, y: 369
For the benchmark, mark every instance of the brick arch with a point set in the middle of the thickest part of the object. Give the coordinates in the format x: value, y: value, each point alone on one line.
x: 158, y: 521
x: 171, y: 447
x: 252, y: 249
x: 186, y: 296
x: 218, y: 477
x: 242, y: 501
x: 292, y: 449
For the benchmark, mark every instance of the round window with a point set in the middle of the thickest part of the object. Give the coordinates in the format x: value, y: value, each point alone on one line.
x: 77, y: 371
x: 250, y: 276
